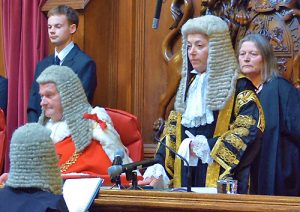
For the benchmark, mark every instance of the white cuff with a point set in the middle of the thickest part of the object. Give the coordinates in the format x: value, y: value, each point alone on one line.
x: 201, y: 148
x: 184, y: 151
x: 156, y: 171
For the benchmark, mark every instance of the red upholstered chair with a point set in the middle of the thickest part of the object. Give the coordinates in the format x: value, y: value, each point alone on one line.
x: 128, y: 127
x: 2, y: 139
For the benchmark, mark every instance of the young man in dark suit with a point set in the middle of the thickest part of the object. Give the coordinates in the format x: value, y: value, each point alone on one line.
x: 62, y: 24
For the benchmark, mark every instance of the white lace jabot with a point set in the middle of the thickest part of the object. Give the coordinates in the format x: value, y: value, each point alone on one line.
x: 59, y: 130
x: 196, y: 112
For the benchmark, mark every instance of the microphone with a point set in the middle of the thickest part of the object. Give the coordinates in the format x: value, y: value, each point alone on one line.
x: 189, y: 179
x: 118, y: 160
x: 116, y: 170
x: 156, y: 14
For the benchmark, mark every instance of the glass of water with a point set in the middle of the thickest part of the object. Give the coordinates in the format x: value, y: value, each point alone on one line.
x: 227, y: 186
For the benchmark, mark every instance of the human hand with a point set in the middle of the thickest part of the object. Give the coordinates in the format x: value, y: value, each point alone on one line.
x: 152, y: 181
x: 191, y: 136
x: 199, y: 147
x: 157, y: 124
x: 3, y: 178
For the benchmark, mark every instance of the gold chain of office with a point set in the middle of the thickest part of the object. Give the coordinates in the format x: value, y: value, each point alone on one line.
x: 64, y: 167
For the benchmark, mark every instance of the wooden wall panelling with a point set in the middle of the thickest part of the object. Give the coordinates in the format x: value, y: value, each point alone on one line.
x: 100, y: 44
x: 155, y: 80
x: 125, y: 46
x: 154, y: 71
x: 108, y: 39
x: 139, y: 57
x: 79, y: 36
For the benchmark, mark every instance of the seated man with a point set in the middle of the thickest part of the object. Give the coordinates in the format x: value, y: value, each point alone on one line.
x: 34, y: 182
x: 84, y: 137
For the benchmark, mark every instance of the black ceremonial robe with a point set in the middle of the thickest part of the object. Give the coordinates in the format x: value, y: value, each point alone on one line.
x: 276, y: 170
x: 232, y: 138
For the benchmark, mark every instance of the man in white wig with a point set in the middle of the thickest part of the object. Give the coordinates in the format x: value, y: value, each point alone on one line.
x: 217, y: 118
x: 84, y: 137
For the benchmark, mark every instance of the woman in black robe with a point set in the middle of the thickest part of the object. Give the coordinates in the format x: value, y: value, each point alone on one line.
x: 276, y: 170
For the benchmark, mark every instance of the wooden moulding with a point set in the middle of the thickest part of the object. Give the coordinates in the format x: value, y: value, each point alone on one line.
x: 75, y: 4
x: 132, y: 200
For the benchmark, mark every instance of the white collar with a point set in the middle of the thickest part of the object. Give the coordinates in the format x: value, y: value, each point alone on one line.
x: 63, y: 53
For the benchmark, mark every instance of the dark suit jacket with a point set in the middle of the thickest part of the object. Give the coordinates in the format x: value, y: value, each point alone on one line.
x: 31, y: 200
x: 82, y: 65
x: 3, y: 93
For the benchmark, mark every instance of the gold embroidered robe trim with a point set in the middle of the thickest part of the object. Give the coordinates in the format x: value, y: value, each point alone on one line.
x: 172, y: 136
x: 177, y: 165
x: 223, y: 156
x: 169, y: 135
x: 234, y: 140
x: 223, y: 121
x: 245, y: 97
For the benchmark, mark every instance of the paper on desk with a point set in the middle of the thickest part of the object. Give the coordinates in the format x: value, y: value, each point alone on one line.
x: 201, y: 190
x: 80, y: 193
x: 204, y: 190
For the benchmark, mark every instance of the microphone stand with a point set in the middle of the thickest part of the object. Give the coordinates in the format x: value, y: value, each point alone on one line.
x: 189, y: 179
x: 117, y: 181
x: 132, y: 175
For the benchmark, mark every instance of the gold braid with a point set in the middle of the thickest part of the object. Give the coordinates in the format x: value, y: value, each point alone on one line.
x: 64, y: 167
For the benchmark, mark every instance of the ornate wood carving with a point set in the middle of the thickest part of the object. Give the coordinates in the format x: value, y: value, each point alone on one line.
x: 275, y: 19
x: 278, y: 20
x: 76, y: 4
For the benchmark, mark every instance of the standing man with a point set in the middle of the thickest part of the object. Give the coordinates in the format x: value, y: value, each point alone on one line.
x: 62, y: 24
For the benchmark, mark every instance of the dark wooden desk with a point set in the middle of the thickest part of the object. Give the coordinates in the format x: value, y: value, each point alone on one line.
x: 129, y: 200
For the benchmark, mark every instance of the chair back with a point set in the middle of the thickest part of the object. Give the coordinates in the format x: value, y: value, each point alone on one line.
x: 129, y: 129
